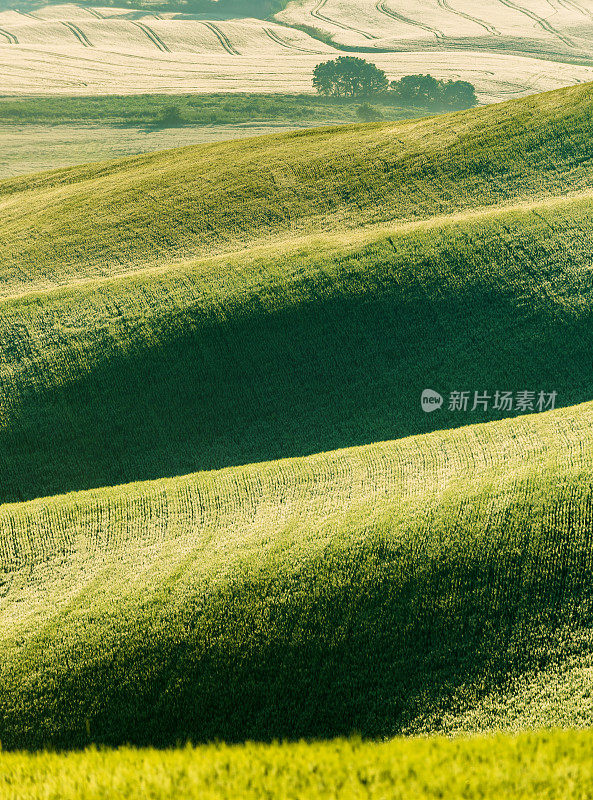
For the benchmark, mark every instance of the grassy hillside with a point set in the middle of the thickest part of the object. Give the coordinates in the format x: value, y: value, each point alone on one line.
x: 178, y: 204
x: 366, y: 590
x: 43, y: 133
x: 552, y: 764
x: 215, y: 522
x: 268, y: 353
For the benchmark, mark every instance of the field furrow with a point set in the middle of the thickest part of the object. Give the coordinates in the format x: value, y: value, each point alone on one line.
x: 541, y: 21
x: 80, y: 35
x: 383, y: 9
x: 487, y: 27
x: 222, y: 38
x: 316, y: 14
x: 10, y: 37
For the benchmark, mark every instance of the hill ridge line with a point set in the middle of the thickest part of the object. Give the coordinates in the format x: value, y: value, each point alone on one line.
x: 328, y: 241
x: 517, y: 423
x: 106, y: 167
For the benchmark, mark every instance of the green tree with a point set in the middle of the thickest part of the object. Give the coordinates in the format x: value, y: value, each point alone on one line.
x: 425, y: 90
x: 348, y: 76
x: 459, y: 94
x: 419, y: 90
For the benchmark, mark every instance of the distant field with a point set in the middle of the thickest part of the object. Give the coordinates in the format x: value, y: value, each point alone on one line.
x: 549, y: 28
x: 47, y: 132
x: 31, y: 148
x: 551, y: 764
x: 89, y: 50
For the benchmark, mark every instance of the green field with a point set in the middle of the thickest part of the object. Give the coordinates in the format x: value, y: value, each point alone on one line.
x: 224, y: 515
x: 149, y: 111
x: 149, y: 211
x: 32, y: 147
x: 42, y: 133
x: 273, y: 352
x: 552, y: 765
x: 384, y: 589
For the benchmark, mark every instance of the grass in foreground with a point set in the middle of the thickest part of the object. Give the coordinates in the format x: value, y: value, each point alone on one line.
x: 555, y: 765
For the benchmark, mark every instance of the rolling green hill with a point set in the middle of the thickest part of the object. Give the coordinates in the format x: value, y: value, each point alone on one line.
x: 174, y: 205
x: 223, y: 513
x: 271, y: 352
x: 367, y: 590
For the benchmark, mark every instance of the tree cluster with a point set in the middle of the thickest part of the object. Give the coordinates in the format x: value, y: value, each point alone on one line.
x: 424, y: 90
x: 348, y: 76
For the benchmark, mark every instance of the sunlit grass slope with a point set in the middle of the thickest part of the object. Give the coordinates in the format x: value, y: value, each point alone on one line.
x: 177, y: 204
x: 277, y: 352
x: 388, y: 588
x: 555, y: 765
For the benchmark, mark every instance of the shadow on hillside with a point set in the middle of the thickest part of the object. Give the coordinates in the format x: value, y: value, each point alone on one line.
x: 329, y: 373
x: 369, y: 638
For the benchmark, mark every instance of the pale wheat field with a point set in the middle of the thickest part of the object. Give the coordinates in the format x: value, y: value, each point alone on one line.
x: 561, y: 28
x: 505, y: 50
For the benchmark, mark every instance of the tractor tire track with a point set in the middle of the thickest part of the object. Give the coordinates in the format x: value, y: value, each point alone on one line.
x: 80, y: 35
x: 154, y: 37
x: 487, y: 27
x: 316, y: 14
x: 94, y: 13
x: 543, y: 23
x: 26, y: 14
x: 284, y: 43
x: 570, y: 4
x: 10, y: 36
x: 222, y: 38
x: 388, y: 12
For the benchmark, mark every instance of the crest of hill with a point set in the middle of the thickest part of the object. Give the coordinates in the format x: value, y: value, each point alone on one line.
x: 154, y: 209
x: 392, y: 586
